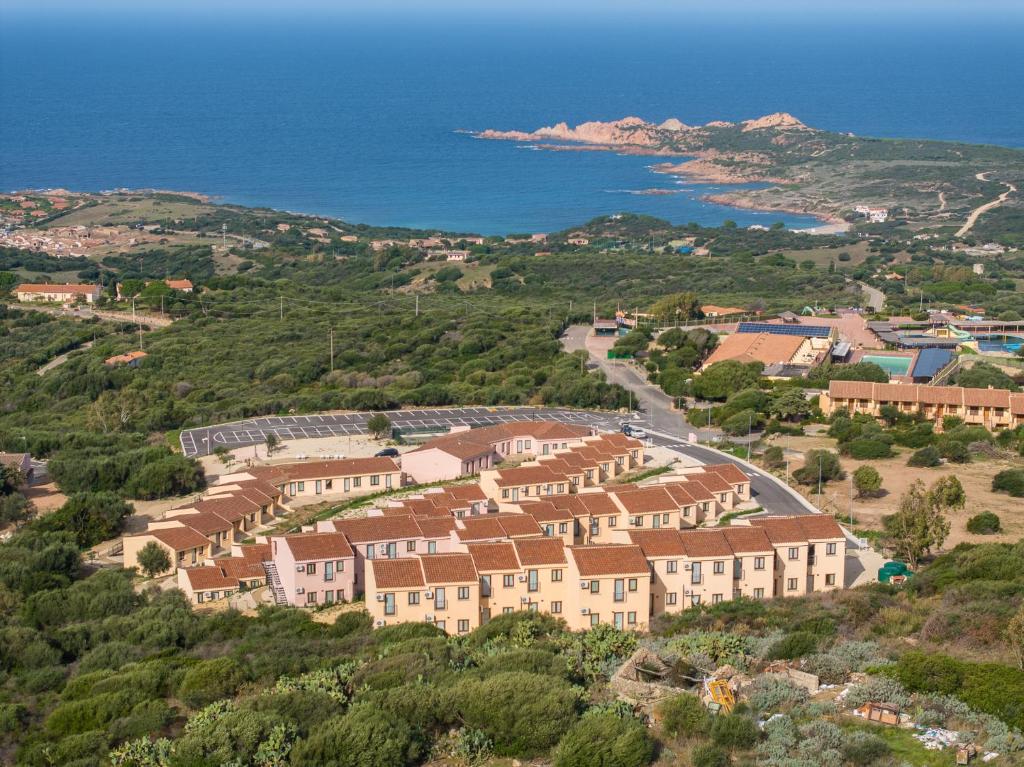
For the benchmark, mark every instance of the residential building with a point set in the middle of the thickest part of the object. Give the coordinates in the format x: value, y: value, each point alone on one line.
x: 185, y: 286
x: 334, y: 479
x: 523, y: 482
x: 130, y: 359
x: 994, y: 409
x: 67, y: 294
x: 185, y: 547
x: 608, y: 584
x: 310, y: 569
x: 769, y: 349
x: 443, y: 589
x: 22, y: 462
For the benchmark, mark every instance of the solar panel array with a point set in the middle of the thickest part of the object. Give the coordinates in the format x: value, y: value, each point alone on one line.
x: 810, y: 331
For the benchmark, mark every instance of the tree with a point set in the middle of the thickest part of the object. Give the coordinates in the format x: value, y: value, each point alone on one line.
x: 10, y: 480
x: 867, y: 481
x: 91, y: 517
x: 115, y: 410
x: 605, y: 740
x: 153, y: 559
x: 823, y: 464
x: 727, y: 377
x: 926, y: 457
x: 379, y: 426
x: 271, y: 442
x: 678, y: 307
x: 774, y: 457
x: 364, y: 737
x: 985, y: 523
x: 683, y: 716
x: 789, y: 404
x: 920, y: 525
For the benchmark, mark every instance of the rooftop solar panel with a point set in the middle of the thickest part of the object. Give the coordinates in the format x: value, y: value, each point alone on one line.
x: 813, y: 331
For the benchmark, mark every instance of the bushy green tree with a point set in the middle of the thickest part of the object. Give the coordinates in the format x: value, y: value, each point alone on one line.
x: 867, y: 481
x: 683, y: 716
x: 727, y: 377
x: 90, y: 517
x: 364, y: 737
x: 734, y: 732
x: 823, y: 464
x: 926, y: 457
x: 211, y: 680
x: 153, y: 559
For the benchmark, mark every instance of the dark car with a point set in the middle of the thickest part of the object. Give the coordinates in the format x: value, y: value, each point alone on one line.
x: 388, y: 452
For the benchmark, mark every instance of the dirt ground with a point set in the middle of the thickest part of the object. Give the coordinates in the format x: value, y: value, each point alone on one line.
x: 976, y: 478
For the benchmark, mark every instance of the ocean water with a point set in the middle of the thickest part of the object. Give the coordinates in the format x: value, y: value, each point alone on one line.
x: 358, y: 115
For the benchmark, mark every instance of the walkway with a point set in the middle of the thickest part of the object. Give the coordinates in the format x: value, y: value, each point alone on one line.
x: 59, y: 360
x: 977, y: 212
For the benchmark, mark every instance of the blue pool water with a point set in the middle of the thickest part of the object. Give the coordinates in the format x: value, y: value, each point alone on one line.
x: 356, y: 114
x: 1011, y: 344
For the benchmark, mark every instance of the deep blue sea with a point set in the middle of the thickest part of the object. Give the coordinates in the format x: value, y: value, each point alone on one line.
x: 357, y: 115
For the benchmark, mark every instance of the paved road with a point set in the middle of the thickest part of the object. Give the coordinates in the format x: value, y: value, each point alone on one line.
x: 768, y: 491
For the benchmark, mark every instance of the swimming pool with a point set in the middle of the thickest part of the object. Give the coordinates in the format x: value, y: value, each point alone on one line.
x: 894, y: 366
x: 1011, y: 344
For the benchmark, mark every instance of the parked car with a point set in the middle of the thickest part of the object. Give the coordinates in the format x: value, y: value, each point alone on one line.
x: 636, y: 433
x: 388, y: 452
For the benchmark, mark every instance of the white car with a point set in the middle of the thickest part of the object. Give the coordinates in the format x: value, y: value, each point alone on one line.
x: 637, y: 433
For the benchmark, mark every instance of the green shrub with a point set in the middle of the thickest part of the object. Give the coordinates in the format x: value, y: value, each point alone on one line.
x: 683, y: 716
x: 211, y: 680
x: 523, y: 714
x: 770, y: 693
x: 819, y: 462
x: 793, y: 645
x: 364, y: 737
x: 734, y: 731
x: 926, y: 457
x: 865, y: 449
x: 708, y: 755
x: 1010, y: 481
x: 953, y: 451
x: 864, y: 748
x: 605, y: 740
x: 985, y: 523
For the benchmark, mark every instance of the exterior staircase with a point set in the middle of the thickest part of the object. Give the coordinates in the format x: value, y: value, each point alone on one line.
x: 274, y: 583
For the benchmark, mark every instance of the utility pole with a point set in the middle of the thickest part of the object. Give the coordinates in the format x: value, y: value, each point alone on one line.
x: 750, y: 421
x: 819, y: 480
x: 282, y: 308
x: 224, y: 235
x: 417, y: 304
x: 851, y: 499
x: 332, y: 350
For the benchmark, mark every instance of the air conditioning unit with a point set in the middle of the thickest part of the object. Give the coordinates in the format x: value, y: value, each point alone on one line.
x: 524, y: 600
x: 380, y: 623
x: 380, y: 597
x: 428, y: 617
x: 428, y: 594
x: 300, y: 590
x: 383, y: 548
x: 633, y: 520
x: 584, y: 584
x: 687, y: 566
x: 300, y: 568
x: 522, y: 579
x: 585, y: 611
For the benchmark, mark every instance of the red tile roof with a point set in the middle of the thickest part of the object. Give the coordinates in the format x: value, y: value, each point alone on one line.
x: 705, y: 543
x: 747, y: 540
x: 206, y: 522
x: 439, y: 569
x: 179, y: 538
x: 373, y: 529
x: 397, y: 573
x: 310, y: 546
x: 658, y: 543
x: 652, y: 500
x: 611, y: 559
x: 529, y: 475
x: 494, y: 557
x: 781, y: 529
x: 436, y: 527
x: 342, y: 467
x: 209, y: 578
x: 730, y: 472
x: 538, y: 552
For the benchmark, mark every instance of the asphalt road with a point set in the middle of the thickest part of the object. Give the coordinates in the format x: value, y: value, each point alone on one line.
x: 772, y: 494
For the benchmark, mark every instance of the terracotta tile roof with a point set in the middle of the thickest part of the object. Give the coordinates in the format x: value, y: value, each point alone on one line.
x: 529, y: 475
x: 697, y: 490
x: 343, y: 467
x: 781, y: 529
x: 179, y: 538
x: 481, y: 529
x: 680, y: 492
x: 267, y: 488
x: 539, y: 552
x: 243, y: 569
x: 658, y: 543
x: 987, y: 398
x: 255, y: 552
x: 895, y: 393
x: 599, y: 504
x: 747, y: 540
x: 205, y: 522
x: 310, y: 546
x: 851, y: 390
x: 231, y: 507
x: 941, y: 395
x: 819, y: 527
x: 561, y: 466
x: 467, y: 492
x: 462, y: 445
x: 712, y: 481
x: 436, y: 527
x: 1017, y: 404
x: 494, y: 557
x: 705, y: 543
x: 209, y: 578
x: 651, y: 500
x: 439, y: 569
x: 249, y: 493
x: 373, y: 529
x: 397, y: 573
x: 179, y: 284
x: 756, y: 347
x: 545, y: 511
x: 570, y: 503
x: 611, y: 559
x: 56, y: 288
x: 621, y: 440
x: 730, y: 472
x: 481, y: 441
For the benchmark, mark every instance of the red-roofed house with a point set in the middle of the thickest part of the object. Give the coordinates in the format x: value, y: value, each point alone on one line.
x: 608, y: 584
x: 310, y: 569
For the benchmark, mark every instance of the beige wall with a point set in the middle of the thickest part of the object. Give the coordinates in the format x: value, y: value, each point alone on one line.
x: 133, y: 544
x: 584, y: 607
x: 754, y: 583
x: 790, y: 571
x: 827, y: 564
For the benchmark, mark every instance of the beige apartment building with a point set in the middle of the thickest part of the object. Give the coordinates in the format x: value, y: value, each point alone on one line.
x: 442, y: 589
x: 608, y: 584
x: 995, y: 409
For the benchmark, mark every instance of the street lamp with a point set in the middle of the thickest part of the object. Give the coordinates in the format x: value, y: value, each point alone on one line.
x: 820, y: 458
x: 750, y: 420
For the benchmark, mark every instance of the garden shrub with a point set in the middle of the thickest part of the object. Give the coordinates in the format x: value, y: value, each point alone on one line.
x: 734, y: 731
x: 985, y: 523
x: 864, y: 449
x: 683, y: 716
x: 605, y: 740
x: 211, y: 680
x: 708, y: 755
x: 793, y: 645
x: 1010, y: 481
x: 769, y: 693
x: 926, y: 457
x: 364, y: 737
x: 862, y: 749
x: 524, y: 714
